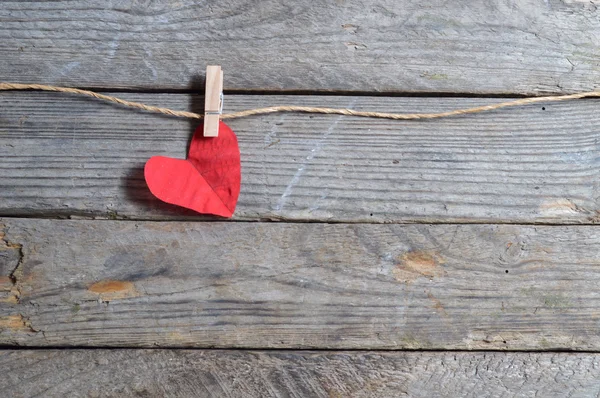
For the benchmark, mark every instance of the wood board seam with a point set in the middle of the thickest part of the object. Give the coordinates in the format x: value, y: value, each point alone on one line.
x: 114, y: 216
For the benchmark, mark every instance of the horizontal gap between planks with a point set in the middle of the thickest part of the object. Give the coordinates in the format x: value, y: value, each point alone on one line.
x: 325, y: 93
x: 105, y: 217
x: 303, y: 350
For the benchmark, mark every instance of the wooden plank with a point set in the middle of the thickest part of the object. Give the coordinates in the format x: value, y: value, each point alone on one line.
x: 185, y: 373
x: 280, y: 285
x: 67, y: 156
x: 498, y: 46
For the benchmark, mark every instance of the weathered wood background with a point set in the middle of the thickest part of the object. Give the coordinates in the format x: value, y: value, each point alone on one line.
x: 273, y: 285
x: 71, y: 156
x: 489, y: 47
x: 434, y: 252
x: 187, y: 373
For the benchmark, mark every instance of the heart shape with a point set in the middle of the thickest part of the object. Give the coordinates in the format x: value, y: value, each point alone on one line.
x: 208, y: 181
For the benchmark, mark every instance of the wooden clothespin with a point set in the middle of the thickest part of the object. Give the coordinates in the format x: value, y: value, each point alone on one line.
x: 213, y: 100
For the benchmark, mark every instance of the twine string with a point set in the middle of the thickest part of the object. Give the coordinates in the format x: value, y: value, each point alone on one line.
x: 304, y: 109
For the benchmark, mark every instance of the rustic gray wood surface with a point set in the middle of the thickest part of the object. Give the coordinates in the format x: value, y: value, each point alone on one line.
x: 283, y: 285
x: 187, y: 373
x: 499, y: 46
x: 476, y: 272
x: 64, y: 155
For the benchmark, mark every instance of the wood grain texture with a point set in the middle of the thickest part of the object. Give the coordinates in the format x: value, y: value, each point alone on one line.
x: 67, y: 156
x: 186, y: 373
x: 498, y: 46
x: 280, y: 285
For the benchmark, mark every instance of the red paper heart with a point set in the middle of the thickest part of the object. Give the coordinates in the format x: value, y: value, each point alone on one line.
x: 207, y: 182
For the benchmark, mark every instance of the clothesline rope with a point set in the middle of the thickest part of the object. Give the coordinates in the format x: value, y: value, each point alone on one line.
x: 303, y: 109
